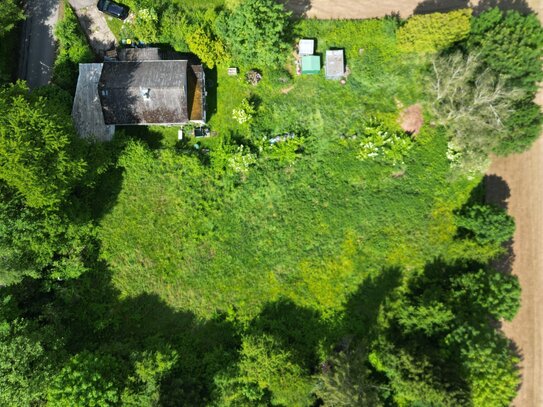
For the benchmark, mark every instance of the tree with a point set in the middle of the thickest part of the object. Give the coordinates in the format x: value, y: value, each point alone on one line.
x: 435, y: 31
x: 36, y: 149
x: 10, y: 14
x: 254, y: 32
x: 486, y: 224
x: 474, y: 104
x: 38, y: 234
x: 511, y: 44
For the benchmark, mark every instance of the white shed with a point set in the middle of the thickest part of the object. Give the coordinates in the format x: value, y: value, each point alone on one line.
x: 306, y: 47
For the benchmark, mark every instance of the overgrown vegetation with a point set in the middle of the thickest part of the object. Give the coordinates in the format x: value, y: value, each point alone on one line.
x: 11, y: 13
x: 311, y: 252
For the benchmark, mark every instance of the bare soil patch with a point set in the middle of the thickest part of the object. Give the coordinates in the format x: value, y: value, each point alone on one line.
x: 411, y: 119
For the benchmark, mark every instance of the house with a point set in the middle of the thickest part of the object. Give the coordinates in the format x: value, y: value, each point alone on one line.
x: 335, y: 64
x: 145, y: 86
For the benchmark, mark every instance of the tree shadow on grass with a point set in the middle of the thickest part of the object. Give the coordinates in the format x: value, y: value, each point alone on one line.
x: 362, y: 309
x: 90, y: 315
x: 521, y: 6
x: 440, y: 6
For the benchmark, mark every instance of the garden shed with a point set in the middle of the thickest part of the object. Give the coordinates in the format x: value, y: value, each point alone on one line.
x: 311, y: 64
x: 335, y: 65
x: 306, y: 47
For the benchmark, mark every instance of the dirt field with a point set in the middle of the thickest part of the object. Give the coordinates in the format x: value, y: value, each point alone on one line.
x: 521, y: 176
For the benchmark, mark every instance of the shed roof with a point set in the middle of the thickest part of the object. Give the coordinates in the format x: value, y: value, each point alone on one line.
x: 311, y: 64
x: 86, y: 110
x: 335, y: 66
x: 306, y: 47
x: 144, y: 92
x: 139, y: 54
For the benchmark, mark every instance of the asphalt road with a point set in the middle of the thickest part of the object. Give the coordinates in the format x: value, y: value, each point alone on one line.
x: 38, y: 47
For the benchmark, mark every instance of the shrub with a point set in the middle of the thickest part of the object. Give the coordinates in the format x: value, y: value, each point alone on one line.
x: 73, y: 49
x: 206, y: 46
x: 434, y: 32
x: 86, y: 380
x: 265, y: 375
x: 244, y: 112
x: 380, y: 143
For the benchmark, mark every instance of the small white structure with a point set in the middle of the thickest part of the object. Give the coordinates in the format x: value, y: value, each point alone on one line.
x: 335, y: 64
x: 306, y: 47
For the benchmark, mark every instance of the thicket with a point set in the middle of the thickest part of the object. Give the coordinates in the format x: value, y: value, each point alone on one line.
x: 73, y: 49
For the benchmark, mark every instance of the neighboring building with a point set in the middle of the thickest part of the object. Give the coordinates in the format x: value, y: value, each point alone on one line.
x: 145, y: 86
x: 335, y: 64
x: 311, y: 64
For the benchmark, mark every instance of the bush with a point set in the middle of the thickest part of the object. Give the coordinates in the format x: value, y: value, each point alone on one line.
x: 73, y: 49
x: 378, y: 142
x: 434, y: 32
x: 209, y: 49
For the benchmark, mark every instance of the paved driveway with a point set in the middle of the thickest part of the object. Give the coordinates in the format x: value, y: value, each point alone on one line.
x: 38, y: 48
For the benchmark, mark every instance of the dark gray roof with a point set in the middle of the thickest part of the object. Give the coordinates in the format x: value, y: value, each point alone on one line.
x: 144, y: 92
x: 140, y: 54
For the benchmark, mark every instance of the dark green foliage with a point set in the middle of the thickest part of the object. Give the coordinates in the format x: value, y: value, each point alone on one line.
x: 511, y: 44
x: 10, y: 14
x: 40, y: 172
x: 24, y: 368
x: 255, y: 33
x: 524, y: 126
x: 446, y: 362
x: 434, y: 32
x: 35, y: 147
x: 486, y: 224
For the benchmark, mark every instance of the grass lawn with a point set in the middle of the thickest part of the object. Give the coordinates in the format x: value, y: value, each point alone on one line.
x: 311, y: 230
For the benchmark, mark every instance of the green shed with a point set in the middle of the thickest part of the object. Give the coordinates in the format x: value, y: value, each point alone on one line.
x: 311, y: 64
